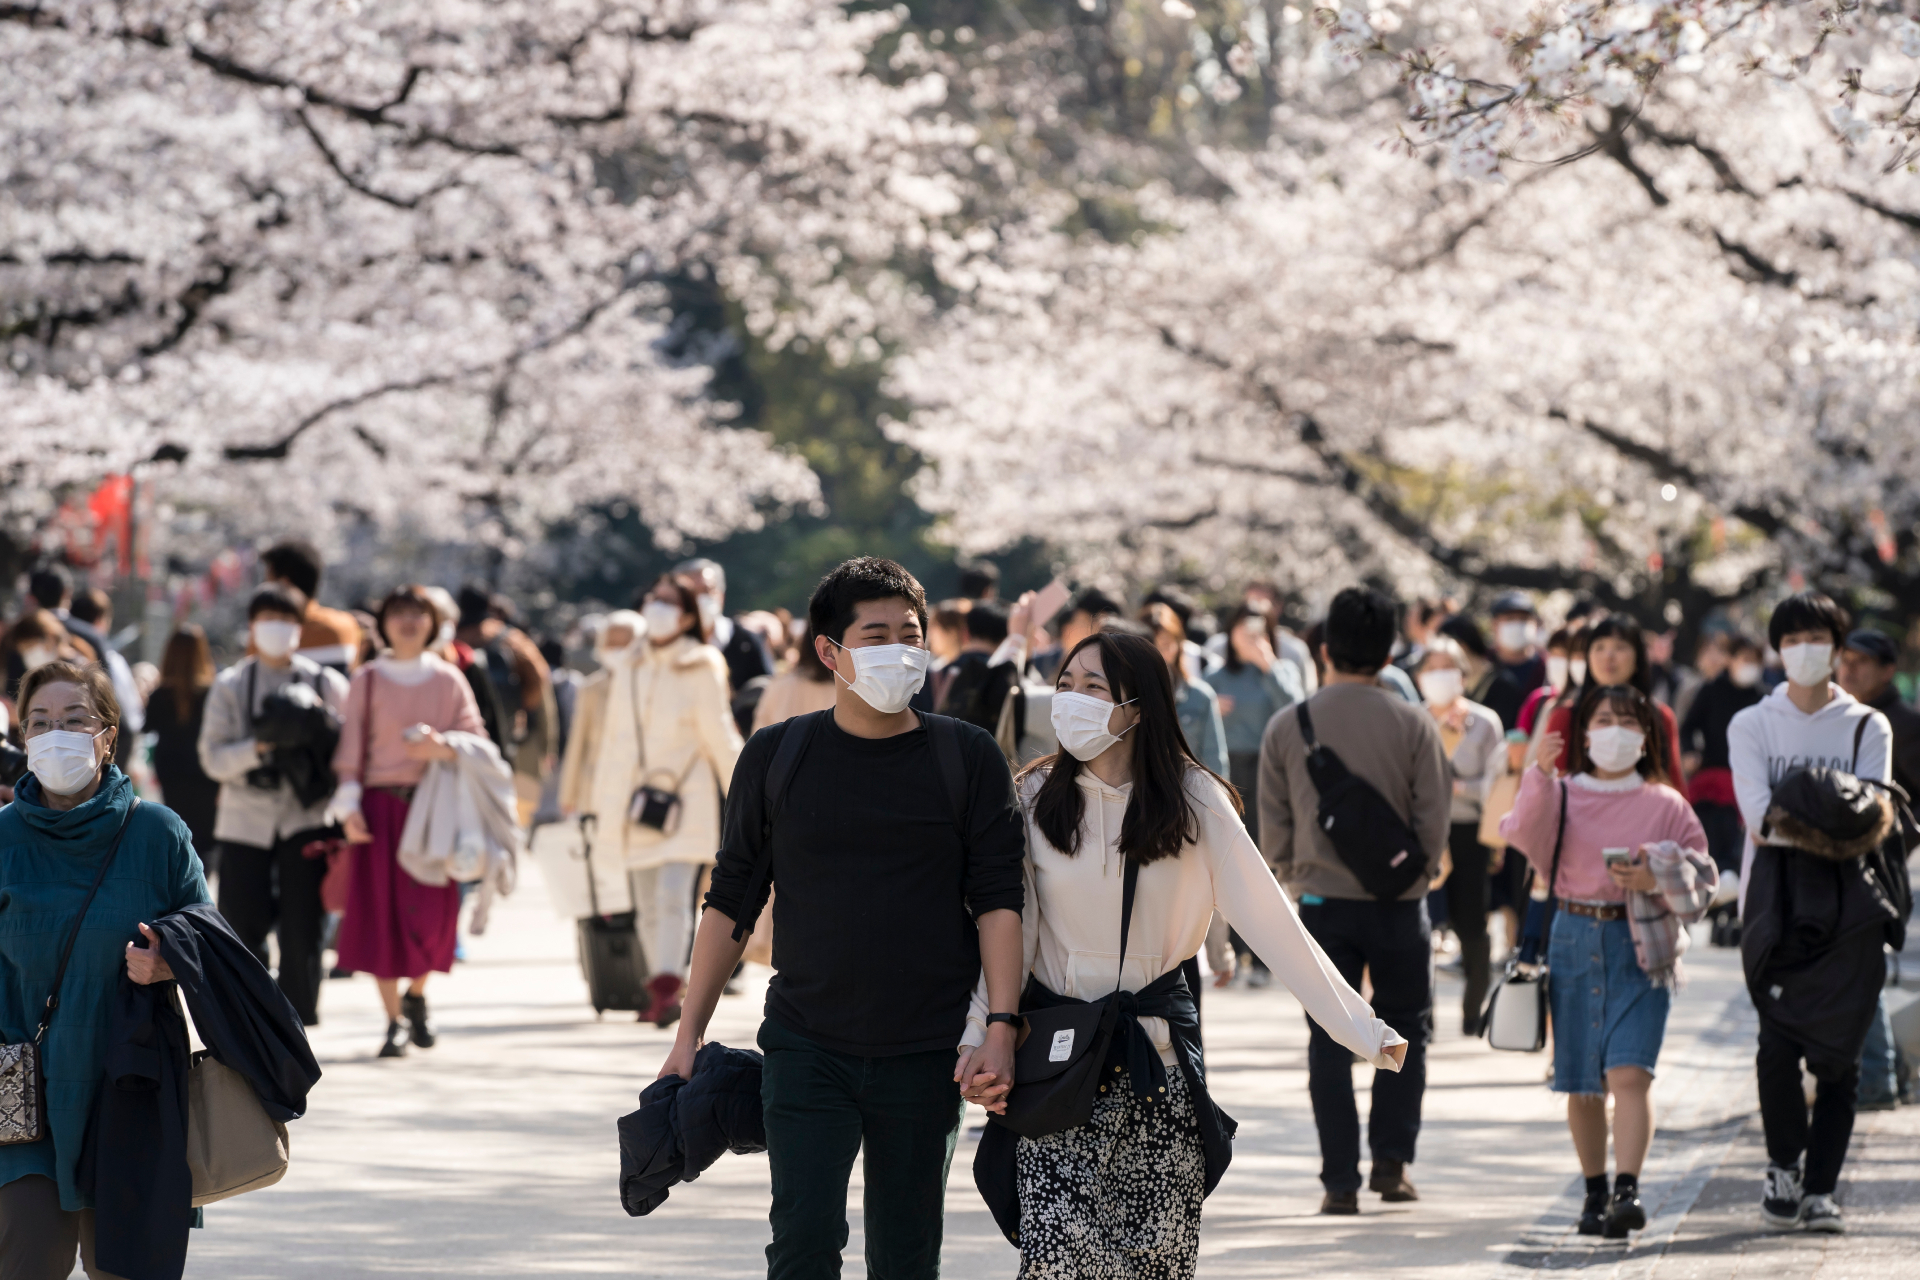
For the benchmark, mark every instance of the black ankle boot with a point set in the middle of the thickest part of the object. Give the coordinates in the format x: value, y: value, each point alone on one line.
x: 1625, y: 1212
x: 413, y: 1007
x: 396, y: 1043
x: 1593, y: 1214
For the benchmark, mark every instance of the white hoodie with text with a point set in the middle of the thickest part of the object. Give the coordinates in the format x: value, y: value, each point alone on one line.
x: 1772, y: 738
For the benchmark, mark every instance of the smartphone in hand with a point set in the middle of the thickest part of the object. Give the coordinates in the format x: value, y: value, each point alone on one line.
x: 1617, y: 857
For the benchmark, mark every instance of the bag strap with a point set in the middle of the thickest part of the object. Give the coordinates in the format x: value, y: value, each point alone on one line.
x: 1128, y: 883
x: 1306, y: 725
x: 944, y: 737
x: 1559, y: 838
x: 1859, y: 732
x: 794, y: 737
x: 589, y: 821
x: 73, y: 934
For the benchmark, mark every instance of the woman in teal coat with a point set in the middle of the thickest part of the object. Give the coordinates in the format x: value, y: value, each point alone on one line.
x: 61, y: 824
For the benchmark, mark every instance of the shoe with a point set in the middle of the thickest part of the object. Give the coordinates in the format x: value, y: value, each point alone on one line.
x: 1389, y: 1178
x: 1822, y: 1214
x: 1593, y: 1214
x: 665, y: 990
x: 396, y: 1042
x: 1340, y: 1204
x: 413, y: 1007
x: 1624, y: 1213
x: 1783, y: 1206
x: 1472, y: 1028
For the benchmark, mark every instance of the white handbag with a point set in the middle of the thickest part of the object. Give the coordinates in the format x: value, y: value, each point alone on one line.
x: 1516, y: 1014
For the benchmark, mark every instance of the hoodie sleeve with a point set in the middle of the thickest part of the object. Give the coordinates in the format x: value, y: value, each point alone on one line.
x: 1876, y: 750
x: 1747, y: 757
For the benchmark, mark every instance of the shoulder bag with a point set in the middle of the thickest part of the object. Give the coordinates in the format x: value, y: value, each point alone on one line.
x: 23, y: 1077
x: 233, y: 1145
x: 1516, y: 1016
x: 1383, y: 852
x: 1056, y: 1068
x: 657, y: 808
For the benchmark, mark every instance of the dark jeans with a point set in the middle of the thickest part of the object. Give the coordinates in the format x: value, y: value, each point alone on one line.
x: 821, y: 1109
x: 1394, y: 940
x: 264, y: 888
x: 1466, y: 893
x: 1726, y: 834
x: 1783, y: 1109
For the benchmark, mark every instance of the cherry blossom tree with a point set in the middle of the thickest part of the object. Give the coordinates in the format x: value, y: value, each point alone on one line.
x: 305, y: 261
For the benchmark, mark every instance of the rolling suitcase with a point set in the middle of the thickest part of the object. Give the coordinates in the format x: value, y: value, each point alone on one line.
x: 610, y: 954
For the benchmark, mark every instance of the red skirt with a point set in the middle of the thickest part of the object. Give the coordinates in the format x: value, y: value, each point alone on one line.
x: 394, y: 927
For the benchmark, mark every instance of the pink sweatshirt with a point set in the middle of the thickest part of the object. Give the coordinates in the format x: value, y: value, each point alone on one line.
x: 370, y: 738
x: 1600, y: 815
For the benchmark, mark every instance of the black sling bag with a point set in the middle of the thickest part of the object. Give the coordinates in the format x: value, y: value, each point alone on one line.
x: 1382, y: 851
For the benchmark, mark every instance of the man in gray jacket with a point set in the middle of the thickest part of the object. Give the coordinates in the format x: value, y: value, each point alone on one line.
x: 1392, y: 745
x: 260, y: 822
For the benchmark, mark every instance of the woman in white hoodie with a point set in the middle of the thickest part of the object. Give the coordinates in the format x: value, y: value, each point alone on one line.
x: 1121, y: 1194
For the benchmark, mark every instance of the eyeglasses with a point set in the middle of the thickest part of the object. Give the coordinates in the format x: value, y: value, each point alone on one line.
x: 89, y: 725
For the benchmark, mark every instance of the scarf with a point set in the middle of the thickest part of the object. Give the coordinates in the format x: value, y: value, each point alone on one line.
x: 1658, y: 921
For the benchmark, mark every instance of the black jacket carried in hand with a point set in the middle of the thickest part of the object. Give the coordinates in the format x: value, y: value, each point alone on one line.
x: 1827, y: 893
x: 683, y: 1126
x: 135, y: 1159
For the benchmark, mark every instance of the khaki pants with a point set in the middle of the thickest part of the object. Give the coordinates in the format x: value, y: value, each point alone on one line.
x: 38, y: 1239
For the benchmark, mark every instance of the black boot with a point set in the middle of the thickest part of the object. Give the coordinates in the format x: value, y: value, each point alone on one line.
x: 1625, y: 1212
x: 413, y: 1007
x: 1593, y: 1214
x: 396, y: 1043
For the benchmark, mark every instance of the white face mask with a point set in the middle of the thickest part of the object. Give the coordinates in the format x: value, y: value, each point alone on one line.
x: 63, y: 761
x: 444, y: 636
x: 1513, y: 636
x: 1577, y: 670
x: 1442, y: 688
x: 709, y: 607
x: 276, y: 639
x: 1808, y: 665
x: 663, y: 619
x: 1557, y: 671
x: 1615, y: 747
x: 1080, y: 722
x: 886, y: 676
x: 35, y: 655
x: 1744, y: 674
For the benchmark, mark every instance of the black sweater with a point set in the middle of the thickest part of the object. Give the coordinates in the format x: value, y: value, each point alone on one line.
x: 1713, y: 709
x: 874, y: 943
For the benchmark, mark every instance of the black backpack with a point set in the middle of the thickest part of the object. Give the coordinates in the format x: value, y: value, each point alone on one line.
x: 1382, y: 851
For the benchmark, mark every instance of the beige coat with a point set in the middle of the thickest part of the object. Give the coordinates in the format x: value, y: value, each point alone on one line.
x: 679, y: 703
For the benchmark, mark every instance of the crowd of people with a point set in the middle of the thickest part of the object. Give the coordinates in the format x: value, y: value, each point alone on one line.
x: 986, y: 792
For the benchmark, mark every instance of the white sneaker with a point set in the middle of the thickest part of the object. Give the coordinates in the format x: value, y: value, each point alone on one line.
x: 1783, y: 1206
x: 1822, y: 1214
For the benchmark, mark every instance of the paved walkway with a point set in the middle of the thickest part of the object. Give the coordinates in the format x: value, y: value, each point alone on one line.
x: 494, y: 1155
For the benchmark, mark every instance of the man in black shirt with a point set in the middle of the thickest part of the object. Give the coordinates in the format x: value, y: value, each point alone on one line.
x: 895, y: 896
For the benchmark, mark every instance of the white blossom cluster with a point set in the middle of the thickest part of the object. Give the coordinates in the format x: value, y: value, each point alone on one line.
x: 305, y: 260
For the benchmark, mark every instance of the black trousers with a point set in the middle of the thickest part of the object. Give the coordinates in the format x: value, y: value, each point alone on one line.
x: 1783, y: 1109
x: 269, y: 890
x: 1466, y: 892
x: 1726, y: 834
x: 1395, y: 941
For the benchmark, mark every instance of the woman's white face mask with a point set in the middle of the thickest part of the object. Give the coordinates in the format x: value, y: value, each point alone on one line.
x: 886, y: 676
x: 275, y: 639
x: 1615, y: 747
x: 663, y: 620
x: 1080, y: 721
x: 1577, y: 671
x: 63, y: 761
x: 1744, y: 674
x: 1442, y: 687
x: 1558, y: 668
x: 36, y: 655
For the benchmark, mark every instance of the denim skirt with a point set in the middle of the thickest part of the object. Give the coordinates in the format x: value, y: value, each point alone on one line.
x: 1606, y: 1011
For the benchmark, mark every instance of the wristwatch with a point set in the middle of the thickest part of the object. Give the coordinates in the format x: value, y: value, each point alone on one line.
x: 1013, y: 1020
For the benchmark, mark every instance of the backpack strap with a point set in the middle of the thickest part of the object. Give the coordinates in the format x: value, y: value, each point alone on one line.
x: 1859, y: 732
x: 1306, y: 724
x: 795, y: 735
x: 943, y: 734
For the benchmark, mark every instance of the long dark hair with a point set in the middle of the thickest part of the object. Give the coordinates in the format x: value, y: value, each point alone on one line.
x: 1626, y: 701
x: 187, y: 669
x: 1619, y: 626
x: 1260, y: 613
x: 1160, y: 820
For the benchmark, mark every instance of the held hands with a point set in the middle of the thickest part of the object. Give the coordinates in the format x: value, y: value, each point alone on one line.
x: 1635, y: 875
x: 146, y: 965
x: 985, y: 1074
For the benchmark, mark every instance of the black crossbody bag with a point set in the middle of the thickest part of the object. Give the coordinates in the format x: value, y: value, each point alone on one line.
x: 23, y: 1076
x: 1056, y: 1068
x: 1383, y: 853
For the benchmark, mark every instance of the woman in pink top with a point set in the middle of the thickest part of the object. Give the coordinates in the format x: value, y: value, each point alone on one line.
x: 399, y: 707
x: 1630, y: 856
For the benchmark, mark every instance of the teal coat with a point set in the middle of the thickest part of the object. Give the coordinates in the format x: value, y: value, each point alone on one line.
x: 47, y: 861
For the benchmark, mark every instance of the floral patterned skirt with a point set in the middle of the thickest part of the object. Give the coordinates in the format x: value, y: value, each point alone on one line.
x: 1119, y: 1197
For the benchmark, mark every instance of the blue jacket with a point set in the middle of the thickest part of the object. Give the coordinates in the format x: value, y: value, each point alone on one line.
x: 1199, y: 712
x: 47, y: 861
x: 683, y: 1126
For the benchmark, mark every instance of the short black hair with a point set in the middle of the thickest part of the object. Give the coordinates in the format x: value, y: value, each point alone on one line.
x: 50, y: 585
x: 987, y: 620
x: 1808, y: 611
x: 1744, y: 642
x: 978, y: 578
x: 296, y: 563
x: 1093, y: 602
x: 90, y: 605
x: 1175, y: 599
x: 853, y: 582
x: 1465, y: 632
x: 1361, y: 625
x: 476, y: 604
x: 275, y: 598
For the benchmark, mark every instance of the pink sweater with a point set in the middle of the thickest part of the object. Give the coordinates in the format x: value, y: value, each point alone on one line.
x: 1596, y: 819
x: 443, y: 700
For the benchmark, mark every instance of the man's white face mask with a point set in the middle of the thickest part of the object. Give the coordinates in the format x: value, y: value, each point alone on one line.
x: 886, y: 676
